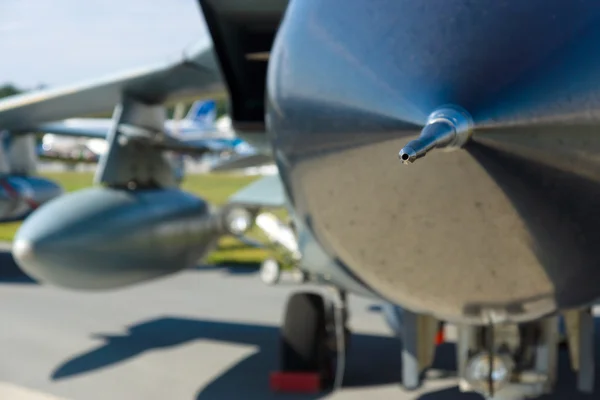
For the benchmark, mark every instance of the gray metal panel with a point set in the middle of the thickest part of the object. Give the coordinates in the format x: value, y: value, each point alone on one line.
x: 509, y: 224
x: 128, y: 161
x: 265, y: 192
x: 316, y: 261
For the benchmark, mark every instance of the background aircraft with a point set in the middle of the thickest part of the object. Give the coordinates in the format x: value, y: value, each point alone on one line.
x: 498, y: 235
x: 84, y: 139
x: 64, y: 138
x: 69, y: 149
x: 21, y: 191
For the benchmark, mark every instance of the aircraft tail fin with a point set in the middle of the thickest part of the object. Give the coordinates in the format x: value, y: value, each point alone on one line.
x: 203, y: 111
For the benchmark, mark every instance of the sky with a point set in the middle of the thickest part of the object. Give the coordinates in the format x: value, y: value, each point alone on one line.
x: 57, y: 42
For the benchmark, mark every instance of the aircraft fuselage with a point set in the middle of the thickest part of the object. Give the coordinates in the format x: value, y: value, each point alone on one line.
x: 505, y: 228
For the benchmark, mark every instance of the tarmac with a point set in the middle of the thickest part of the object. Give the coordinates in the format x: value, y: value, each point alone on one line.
x: 208, y: 333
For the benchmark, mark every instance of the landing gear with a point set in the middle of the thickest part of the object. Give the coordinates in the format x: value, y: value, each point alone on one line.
x: 310, y: 336
x: 304, y: 335
x: 509, y: 361
x: 283, y: 246
x: 270, y: 271
x: 299, y: 276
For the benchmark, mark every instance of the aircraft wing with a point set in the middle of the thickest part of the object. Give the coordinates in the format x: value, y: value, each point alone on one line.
x: 195, y: 74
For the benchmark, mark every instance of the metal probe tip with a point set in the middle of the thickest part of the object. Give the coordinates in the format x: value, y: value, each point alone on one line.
x: 447, y: 128
x: 407, y: 155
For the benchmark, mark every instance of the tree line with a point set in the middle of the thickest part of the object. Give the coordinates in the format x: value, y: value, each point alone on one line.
x: 9, y: 90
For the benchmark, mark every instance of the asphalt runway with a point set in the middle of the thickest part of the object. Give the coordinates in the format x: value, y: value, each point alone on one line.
x: 208, y: 333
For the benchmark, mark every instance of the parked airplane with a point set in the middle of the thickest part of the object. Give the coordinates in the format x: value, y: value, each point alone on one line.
x: 84, y: 139
x: 68, y: 149
x: 497, y: 234
x: 63, y: 138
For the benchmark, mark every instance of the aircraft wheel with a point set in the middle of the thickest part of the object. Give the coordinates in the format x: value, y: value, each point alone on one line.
x: 270, y: 271
x: 304, y: 344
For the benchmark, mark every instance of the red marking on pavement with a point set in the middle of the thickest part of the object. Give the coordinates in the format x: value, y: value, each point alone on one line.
x: 440, y: 337
x: 295, y: 382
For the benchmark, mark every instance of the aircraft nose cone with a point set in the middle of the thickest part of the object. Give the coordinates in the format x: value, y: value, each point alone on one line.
x: 46, y: 255
x: 22, y: 251
x: 35, y: 259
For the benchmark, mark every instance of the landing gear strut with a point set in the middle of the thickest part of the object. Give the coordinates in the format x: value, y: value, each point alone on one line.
x: 283, y: 246
x: 270, y: 271
x: 514, y: 362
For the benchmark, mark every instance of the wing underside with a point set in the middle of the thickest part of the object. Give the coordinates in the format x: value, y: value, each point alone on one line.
x: 193, y: 75
x: 92, y: 128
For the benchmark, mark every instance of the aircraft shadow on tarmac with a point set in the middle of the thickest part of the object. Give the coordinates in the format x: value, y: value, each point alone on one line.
x: 250, y: 376
x: 372, y: 360
x: 10, y: 271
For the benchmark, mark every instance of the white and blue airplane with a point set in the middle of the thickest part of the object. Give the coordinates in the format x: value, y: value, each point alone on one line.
x: 64, y: 137
x: 83, y: 140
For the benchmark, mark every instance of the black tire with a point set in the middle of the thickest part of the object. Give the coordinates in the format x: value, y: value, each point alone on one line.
x: 304, y: 336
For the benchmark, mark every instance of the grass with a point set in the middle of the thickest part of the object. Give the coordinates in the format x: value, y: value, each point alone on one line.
x: 214, y: 188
